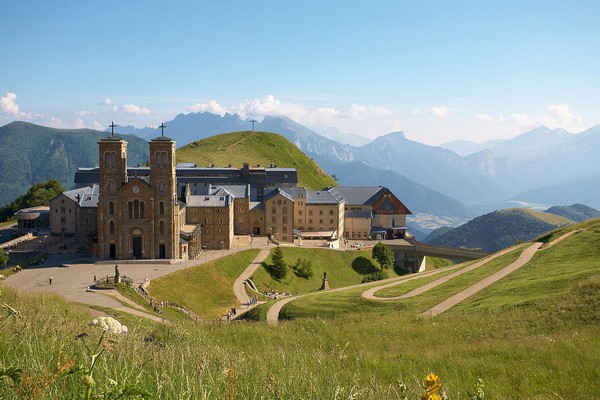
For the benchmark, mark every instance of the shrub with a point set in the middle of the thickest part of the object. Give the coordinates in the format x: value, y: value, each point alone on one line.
x: 303, y: 268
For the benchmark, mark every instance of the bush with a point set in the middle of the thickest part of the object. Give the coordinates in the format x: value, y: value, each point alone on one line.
x: 303, y: 268
x: 375, y: 276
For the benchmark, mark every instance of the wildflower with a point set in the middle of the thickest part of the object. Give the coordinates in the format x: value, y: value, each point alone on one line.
x: 432, y: 387
x: 109, y: 324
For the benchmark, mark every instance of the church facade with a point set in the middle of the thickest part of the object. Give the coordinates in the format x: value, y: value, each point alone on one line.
x: 138, y: 218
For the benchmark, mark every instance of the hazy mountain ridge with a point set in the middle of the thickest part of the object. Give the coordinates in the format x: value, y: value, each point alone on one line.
x: 575, y: 212
x: 499, y: 171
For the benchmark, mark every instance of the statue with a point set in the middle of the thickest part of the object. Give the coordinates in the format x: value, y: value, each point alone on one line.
x: 117, y: 274
x: 325, y: 284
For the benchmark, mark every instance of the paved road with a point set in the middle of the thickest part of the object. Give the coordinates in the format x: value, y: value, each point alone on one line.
x: 72, y: 282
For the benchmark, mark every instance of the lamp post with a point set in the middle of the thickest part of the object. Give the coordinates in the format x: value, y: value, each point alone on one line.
x: 238, y: 240
x: 222, y: 249
x: 204, y: 250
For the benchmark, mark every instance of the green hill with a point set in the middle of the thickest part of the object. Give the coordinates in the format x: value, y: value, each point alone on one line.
x: 500, y: 229
x: 575, y: 212
x: 254, y: 148
x: 31, y: 153
x: 535, y: 334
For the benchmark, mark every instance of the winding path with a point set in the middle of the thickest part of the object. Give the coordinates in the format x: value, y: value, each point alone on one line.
x: 370, y: 294
x: 523, y: 259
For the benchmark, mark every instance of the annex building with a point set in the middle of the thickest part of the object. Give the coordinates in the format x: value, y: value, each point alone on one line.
x: 173, y: 211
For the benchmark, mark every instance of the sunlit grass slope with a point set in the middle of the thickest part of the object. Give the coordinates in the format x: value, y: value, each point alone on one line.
x: 533, y: 335
x: 343, y: 268
x: 206, y: 289
x: 254, y: 148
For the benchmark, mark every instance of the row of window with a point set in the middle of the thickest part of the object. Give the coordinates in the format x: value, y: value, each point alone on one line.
x: 135, y: 208
x: 161, y: 227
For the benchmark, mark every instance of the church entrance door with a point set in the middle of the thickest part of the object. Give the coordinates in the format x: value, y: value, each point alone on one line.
x: 112, y: 251
x: 137, y: 247
x: 162, y: 253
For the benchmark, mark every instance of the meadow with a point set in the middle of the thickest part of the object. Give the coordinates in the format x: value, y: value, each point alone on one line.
x: 533, y: 335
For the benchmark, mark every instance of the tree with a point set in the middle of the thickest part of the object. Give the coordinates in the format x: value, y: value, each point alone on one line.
x: 303, y: 268
x: 279, y: 267
x: 3, y: 257
x: 384, y: 255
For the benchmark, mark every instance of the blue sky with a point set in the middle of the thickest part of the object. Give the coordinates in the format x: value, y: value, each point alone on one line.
x: 438, y: 70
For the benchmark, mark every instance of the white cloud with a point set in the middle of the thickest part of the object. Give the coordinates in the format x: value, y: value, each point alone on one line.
x: 441, y: 112
x: 98, y: 126
x: 484, y: 117
x: 135, y: 109
x: 79, y: 123
x: 107, y: 102
x: 212, y: 106
x: 558, y: 116
x: 9, y: 106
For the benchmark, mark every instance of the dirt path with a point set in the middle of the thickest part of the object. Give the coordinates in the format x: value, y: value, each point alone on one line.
x: 239, y: 286
x: 273, y: 312
x: 523, y: 259
x: 370, y: 294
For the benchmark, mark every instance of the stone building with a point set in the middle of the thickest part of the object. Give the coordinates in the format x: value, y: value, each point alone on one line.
x: 138, y: 218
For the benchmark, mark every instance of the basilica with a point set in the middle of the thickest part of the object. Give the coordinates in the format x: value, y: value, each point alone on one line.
x: 174, y: 211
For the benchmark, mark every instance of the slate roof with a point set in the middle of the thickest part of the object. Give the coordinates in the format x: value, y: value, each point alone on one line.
x: 359, y: 214
x: 277, y: 191
x: 360, y: 195
x: 237, y: 191
x: 208, y: 201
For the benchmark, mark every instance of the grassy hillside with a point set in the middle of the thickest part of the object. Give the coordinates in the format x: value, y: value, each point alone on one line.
x: 31, y: 153
x: 500, y: 229
x: 575, y: 212
x: 255, y: 148
x: 533, y: 335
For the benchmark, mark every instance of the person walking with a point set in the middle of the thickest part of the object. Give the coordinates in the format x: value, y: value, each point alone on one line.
x: 50, y: 280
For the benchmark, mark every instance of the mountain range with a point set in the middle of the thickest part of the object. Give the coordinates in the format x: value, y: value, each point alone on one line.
x: 549, y: 166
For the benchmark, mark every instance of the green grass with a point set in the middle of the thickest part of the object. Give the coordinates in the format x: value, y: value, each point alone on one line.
x: 256, y: 148
x: 207, y: 289
x: 343, y: 268
x: 435, y: 263
x: 533, y: 335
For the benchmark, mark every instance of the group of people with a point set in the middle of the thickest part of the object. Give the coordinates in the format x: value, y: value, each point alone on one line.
x: 231, y: 313
x: 253, y: 301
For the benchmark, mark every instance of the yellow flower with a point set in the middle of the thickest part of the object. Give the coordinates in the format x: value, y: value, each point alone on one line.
x: 432, y: 382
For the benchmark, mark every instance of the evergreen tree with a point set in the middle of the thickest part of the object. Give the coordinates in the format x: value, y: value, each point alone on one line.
x: 279, y: 267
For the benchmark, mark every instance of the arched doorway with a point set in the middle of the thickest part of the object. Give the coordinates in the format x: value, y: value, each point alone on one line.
x: 256, y: 231
x: 112, y: 251
x: 136, y: 244
x: 162, y: 251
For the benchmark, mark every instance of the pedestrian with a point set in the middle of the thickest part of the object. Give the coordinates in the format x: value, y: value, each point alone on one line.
x: 50, y: 280
x: 94, y: 278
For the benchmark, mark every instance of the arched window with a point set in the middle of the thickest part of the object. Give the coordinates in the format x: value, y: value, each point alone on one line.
x: 136, y: 209
x: 107, y: 159
x: 111, y: 227
x: 161, y: 227
x: 164, y: 159
x: 111, y: 186
x: 111, y: 208
x: 142, y: 209
x: 157, y: 159
x: 161, y: 208
x: 161, y: 186
x: 113, y: 159
x: 130, y: 209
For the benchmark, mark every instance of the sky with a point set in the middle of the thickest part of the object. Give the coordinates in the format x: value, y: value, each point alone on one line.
x: 439, y: 71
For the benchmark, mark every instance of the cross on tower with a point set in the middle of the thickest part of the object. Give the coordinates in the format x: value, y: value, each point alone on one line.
x: 162, y: 129
x: 253, y: 121
x: 112, y: 126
